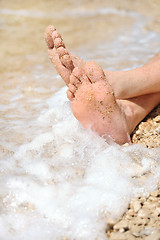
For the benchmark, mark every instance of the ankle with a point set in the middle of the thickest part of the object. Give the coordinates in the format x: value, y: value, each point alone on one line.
x: 125, y: 84
x: 126, y: 107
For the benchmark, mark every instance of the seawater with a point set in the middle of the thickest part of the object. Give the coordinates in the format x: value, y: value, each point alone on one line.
x: 61, y: 181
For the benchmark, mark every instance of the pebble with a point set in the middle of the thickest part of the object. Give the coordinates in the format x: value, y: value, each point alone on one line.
x: 121, y: 236
x: 122, y: 224
x: 130, y: 212
x: 144, y: 213
x: 157, y: 119
x: 136, y: 205
x: 155, y: 193
x: 157, y: 212
x: 135, y: 230
x: 154, y: 236
x: 153, y: 199
x: 147, y: 231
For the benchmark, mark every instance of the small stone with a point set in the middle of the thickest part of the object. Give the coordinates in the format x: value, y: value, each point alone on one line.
x: 157, y: 119
x: 116, y: 235
x: 157, y: 211
x: 153, y: 205
x: 154, y: 236
x: 143, y: 199
x: 147, y: 231
x: 110, y: 224
x: 126, y: 144
x: 152, y: 222
x: 130, y: 212
x: 136, y: 206
x: 128, y: 236
x: 121, y: 230
x: 141, y: 221
x: 153, y: 199
x: 121, y: 224
x: 144, y: 213
x: 138, y: 132
x: 135, y: 230
x: 121, y: 236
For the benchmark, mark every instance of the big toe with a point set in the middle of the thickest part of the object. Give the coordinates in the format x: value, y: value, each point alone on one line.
x: 94, y: 72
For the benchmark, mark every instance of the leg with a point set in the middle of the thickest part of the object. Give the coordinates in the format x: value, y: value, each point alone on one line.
x: 137, y: 82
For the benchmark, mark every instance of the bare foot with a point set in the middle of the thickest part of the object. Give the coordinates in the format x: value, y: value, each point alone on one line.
x: 94, y: 104
x: 63, y: 60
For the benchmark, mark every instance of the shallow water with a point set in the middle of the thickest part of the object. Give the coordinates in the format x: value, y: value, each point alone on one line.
x: 57, y: 179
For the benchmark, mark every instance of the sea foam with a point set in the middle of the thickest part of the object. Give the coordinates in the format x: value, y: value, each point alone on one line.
x: 68, y: 182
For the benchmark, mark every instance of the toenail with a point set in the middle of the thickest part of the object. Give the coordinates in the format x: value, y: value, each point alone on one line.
x: 58, y: 43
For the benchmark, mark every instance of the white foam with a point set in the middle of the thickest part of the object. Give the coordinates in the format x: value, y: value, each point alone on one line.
x: 68, y: 181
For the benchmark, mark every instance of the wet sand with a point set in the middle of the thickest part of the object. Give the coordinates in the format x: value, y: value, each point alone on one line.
x: 23, y: 57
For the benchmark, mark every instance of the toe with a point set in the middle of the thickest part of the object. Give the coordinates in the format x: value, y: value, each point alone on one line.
x: 55, y: 35
x: 61, y: 51
x: 75, y: 81
x: 67, y: 62
x: 48, y: 36
x: 58, y: 42
x: 58, y: 54
x: 94, y: 72
x: 79, y: 73
x: 72, y: 88
x: 70, y: 95
x: 61, y: 54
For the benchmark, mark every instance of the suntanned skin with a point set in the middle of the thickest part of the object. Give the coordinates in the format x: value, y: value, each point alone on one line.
x: 110, y: 103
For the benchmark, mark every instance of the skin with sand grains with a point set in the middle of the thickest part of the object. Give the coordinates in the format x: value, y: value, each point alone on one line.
x: 110, y: 103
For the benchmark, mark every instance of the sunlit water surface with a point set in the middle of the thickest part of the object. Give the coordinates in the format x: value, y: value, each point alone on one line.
x: 57, y: 179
